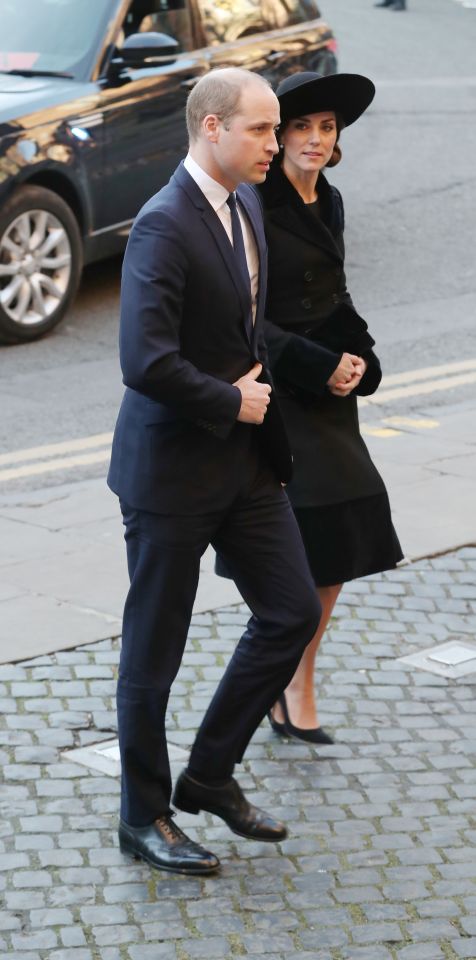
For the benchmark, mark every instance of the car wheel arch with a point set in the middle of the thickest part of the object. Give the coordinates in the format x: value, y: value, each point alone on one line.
x: 58, y: 182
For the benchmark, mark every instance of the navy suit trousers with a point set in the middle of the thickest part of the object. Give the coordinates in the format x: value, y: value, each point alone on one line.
x: 258, y: 536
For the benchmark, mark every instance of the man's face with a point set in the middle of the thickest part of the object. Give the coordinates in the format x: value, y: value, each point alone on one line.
x: 244, y: 149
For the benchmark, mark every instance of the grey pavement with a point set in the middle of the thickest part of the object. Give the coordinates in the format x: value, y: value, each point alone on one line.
x: 62, y: 558
x: 380, y: 859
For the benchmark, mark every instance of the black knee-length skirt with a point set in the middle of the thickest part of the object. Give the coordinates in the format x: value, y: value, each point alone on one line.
x: 347, y: 540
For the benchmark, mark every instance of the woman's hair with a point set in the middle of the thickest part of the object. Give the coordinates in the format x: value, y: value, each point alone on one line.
x: 336, y: 155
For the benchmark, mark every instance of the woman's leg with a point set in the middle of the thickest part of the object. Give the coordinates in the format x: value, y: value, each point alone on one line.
x: 300, y: 696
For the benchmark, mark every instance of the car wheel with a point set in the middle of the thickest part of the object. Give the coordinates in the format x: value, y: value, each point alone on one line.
x: 324, y: 62
x: 40, y: 263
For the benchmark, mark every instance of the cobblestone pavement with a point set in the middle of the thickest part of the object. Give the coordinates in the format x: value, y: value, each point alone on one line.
x: 380, y: 860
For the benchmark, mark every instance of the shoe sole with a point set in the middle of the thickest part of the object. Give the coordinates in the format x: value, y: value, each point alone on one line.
x: 191, y: 808
x: 249, y: 836
x: 138, y: 855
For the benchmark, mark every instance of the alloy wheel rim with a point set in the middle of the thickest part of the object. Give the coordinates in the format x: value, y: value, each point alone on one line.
x: 35, y: 267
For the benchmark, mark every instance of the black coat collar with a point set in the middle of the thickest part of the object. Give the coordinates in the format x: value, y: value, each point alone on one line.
x: 284, y: 206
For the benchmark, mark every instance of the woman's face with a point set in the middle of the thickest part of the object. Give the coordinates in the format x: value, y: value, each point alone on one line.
x: 308, y: 142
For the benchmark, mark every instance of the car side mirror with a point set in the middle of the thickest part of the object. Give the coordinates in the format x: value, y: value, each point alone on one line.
x: 140, y: 47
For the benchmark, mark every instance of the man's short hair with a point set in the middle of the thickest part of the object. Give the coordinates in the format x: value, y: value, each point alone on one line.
x: 218, y: 92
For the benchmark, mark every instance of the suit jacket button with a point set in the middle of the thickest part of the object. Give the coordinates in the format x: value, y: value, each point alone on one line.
x: 308, y: 275
x: 306, y: 303
x: 335, y: 298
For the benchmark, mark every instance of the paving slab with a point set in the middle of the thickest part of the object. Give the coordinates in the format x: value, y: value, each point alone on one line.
x: 379, y: 863
x: 62, y: 550
x: 62, y: 507
x: 448, y: 505
x: 33, y: 624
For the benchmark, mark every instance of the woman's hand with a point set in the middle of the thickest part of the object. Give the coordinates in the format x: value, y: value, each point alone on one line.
x: 344, y: 372
x: 344, y: 387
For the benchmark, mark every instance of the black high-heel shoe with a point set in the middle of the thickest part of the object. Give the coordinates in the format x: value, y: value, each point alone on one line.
x: 316, y: 735
x: 277, y: 727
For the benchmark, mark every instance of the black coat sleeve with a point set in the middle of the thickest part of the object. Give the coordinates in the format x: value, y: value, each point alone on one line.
x: 372, y: 376
x: 298, y: 361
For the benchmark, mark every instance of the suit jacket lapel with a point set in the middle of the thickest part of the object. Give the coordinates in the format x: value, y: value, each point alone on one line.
x: 219, y: 234
x: 257, y: 227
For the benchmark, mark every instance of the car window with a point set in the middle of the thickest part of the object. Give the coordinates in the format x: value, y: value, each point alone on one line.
x: 50, y: 35
x: 228, y: 20
x: 172, y: 17
x: 281, y: 13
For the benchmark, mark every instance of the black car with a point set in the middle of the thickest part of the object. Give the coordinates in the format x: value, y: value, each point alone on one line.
x: 92, y: 97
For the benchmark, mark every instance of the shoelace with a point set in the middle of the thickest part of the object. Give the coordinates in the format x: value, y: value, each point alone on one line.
x: 170, y: 828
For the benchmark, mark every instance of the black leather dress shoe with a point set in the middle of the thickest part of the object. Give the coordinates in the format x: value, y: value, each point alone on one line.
x: 166, y: 847
x: 229, y: 803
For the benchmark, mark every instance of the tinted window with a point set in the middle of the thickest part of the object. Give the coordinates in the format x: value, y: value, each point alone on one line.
x: 286, y: 12
x: 227, y: 20
x: 49, y: 34
x: 172, y: 17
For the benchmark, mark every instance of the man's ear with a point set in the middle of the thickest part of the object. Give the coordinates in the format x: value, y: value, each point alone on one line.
x: 211, y: 127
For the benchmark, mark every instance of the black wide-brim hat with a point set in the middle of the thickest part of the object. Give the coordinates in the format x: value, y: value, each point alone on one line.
x: 347, y: 94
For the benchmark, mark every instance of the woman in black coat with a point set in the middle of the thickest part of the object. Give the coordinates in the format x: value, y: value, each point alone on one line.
x: 321, y: 357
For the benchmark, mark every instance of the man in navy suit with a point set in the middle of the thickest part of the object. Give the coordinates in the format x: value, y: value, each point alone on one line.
x: 199, y: 456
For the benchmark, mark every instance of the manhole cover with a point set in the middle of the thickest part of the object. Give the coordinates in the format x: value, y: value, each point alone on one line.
x: 105, y: 757
x: 455, y: 655
x: 453, y: 659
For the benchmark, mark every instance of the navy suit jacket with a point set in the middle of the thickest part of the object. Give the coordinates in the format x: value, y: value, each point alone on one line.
x: 183, y: 342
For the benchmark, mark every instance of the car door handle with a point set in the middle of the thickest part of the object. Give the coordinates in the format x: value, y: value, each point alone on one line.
x: 275, y: 55
x: 189, y: 83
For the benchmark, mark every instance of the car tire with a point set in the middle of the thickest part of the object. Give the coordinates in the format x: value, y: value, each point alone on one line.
x: 40, y: 263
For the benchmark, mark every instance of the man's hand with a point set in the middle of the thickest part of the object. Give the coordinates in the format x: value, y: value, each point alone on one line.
x: 254, y: 396
x: 343, y: 388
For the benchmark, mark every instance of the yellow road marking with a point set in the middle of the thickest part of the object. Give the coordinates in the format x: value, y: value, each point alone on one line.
x: 426, y: 373
x: 418, y: 423
x: 446, y: 383
x: 411, y: 383
x: 369, y: 431
x: 52, y: 449
x: 61, y: 463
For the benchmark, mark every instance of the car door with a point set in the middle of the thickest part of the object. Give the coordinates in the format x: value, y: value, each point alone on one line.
x: 144, y: 115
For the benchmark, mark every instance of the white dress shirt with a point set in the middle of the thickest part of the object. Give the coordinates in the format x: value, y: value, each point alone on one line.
x: 217, y: 196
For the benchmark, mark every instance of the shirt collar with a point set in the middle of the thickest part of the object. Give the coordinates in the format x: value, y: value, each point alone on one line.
x: 215, y: 193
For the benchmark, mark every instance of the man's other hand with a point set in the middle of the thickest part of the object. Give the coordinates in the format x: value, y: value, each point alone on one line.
x: 254, y: 396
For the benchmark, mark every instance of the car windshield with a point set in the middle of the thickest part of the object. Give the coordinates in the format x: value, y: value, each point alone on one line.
x: 49, y: 36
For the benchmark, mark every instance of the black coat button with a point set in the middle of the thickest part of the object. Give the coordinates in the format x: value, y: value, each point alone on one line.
x: 306, y: 303
x: 335, y: 298
x: 308, y: 275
